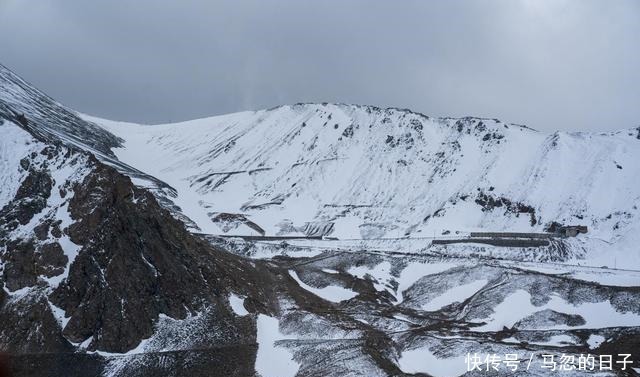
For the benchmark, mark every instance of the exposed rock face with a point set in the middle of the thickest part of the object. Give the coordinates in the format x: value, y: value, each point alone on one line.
x: 489, y: 202
x: 19, y: 265
x: 22, y: 263
x: 31, y: 199
x: 231, y: 221
x: 137, y: 263
x: 30, y: 222
x: 86, y: 257
x: 33, y: 328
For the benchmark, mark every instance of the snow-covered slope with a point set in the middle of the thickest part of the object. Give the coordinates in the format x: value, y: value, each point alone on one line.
x: 364, y: 172
x: 14, y: 143
x: 56, y: 121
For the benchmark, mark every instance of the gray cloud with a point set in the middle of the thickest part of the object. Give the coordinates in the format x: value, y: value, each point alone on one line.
x: 551, y: 64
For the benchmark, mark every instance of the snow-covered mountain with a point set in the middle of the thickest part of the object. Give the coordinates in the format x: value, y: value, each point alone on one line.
x: 112, y: 261
x: 356, y: 172
x: 92, y: 266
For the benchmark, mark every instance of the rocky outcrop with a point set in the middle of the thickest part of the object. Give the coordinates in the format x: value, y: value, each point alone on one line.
x: 33, y: 328
x: 137, y: 262
x: 89, y: 258
x: 30, y: 199
x: 489, y: 202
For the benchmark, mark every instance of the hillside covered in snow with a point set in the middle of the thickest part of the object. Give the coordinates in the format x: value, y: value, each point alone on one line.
x: 361, y: 172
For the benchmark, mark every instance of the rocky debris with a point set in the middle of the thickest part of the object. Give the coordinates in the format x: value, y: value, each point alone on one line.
x: 552, y: 227
x: 490, y: 202
x: 492, y: 135
x: 470, y: 125
x: 229, y: 361
x: 416, y: 124
x: 404, y: 139
x: 549, y: 318
x: 348, y: 132
x: 318, y: 228
x: 231, y: 221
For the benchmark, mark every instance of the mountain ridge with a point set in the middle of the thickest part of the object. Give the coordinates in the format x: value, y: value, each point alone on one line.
x: 431, y: 176
x: 98, y: 119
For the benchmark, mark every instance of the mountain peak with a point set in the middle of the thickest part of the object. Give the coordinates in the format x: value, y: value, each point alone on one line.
x: 50, y: 118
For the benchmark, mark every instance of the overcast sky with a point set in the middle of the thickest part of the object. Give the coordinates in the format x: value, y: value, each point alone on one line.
x: 550, y: 64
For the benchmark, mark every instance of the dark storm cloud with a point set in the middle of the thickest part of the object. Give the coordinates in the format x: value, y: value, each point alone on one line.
x: 551, y: 64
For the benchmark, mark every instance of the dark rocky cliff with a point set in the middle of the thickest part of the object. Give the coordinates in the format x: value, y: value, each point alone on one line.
x: 134, y: 263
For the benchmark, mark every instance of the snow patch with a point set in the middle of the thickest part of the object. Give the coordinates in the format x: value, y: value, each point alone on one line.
x: 273, y: 360
x: 422, y: 360
x: 237, y: 305
x: 60, y: 315
x: 595, y: 341
x: 330, y: 293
